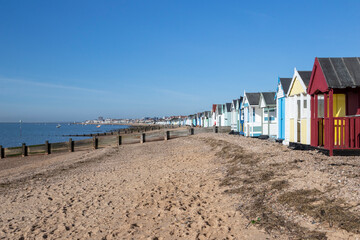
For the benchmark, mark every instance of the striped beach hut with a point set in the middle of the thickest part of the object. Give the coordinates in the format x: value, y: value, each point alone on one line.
x: 298, y: 114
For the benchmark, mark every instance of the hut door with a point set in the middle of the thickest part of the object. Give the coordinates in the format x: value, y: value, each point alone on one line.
x: 298, y: 121
x: 282, y: 118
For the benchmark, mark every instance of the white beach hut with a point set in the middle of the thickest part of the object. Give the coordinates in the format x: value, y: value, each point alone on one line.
x: 267, y: 103
x: 252, y: 114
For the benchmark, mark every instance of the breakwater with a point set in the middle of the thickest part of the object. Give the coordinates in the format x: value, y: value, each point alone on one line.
x: 132, y: 135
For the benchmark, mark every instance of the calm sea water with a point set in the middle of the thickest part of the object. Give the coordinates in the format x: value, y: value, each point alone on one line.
x: 14, y: 134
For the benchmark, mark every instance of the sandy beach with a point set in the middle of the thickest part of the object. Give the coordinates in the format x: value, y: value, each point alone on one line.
x: 206, y: 186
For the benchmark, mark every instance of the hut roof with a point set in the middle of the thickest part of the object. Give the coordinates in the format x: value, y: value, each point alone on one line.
x: 341, y: 72
x: 228, y: 107
x: 253, y: 98
x: 305, y: 76
x: 234, y: 102
x: 269, y: 98
x: 285, y: 83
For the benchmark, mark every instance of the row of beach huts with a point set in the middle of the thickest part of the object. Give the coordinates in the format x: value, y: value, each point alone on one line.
x: 318, y: 109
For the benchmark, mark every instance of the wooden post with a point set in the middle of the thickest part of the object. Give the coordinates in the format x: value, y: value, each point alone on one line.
x: 95, y: 143
x: 331, y: 123
x: 167, y: 135
x: 71, y: 145
x: 191, y: 131
x: 316, y: 115
x: 326, y: 122
x: 2, y: 152
x: 119, y: 140
x: 215, y: 129
x: 47, y: 147
x: 24, y: 150
x: 142, y: 138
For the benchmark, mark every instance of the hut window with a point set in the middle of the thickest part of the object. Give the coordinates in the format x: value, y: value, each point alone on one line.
x: 305, y: 103
x: 320, y: 106
x: 272, y: 114
x: 266, y: 114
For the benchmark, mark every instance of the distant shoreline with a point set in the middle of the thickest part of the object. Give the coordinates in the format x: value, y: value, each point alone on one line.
x: 122, y: 124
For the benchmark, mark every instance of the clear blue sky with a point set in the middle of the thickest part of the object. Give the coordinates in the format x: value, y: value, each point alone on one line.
x: 76, y: 60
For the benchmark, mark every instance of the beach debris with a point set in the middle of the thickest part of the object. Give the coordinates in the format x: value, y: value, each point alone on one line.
x: 256, y: 221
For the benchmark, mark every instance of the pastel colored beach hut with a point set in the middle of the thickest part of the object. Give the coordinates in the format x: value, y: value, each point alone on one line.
x: 252, y: 115
x: 298, y: 113
x: 234, y: 115
x: 198, y: 119
x: 335, y: 105
x: 194, y: 120
x: 267, y: 103
x: 214, y: 114
x: 241, y: 116
x: 281, y: 91
x: 227, y: 114
x: 207, y: 120
x: 219, y: 115
x: 202, y: 119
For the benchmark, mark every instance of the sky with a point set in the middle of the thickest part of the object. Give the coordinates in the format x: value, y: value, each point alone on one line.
x: 77, y: 60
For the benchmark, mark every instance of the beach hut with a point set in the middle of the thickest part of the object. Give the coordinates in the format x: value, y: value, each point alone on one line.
x: 204, y: 119
x: 235, y: 115
x: 227, y: 114
x: 194, y: 120
x: 241, y: 116
x: 335, y: 105
x: 219, y: 115
x: 214, y: 114
x: 281, y: 91
x: 252, y: 115
x: 189, y: 120
x: 267, y: 103
x: 207, y: 119
x: 298, y: 113
x: 198, y: 119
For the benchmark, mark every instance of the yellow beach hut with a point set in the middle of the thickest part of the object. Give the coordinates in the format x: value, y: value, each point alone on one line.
x: 298, y: 111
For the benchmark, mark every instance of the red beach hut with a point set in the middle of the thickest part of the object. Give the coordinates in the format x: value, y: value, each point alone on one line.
x: 335, y: 105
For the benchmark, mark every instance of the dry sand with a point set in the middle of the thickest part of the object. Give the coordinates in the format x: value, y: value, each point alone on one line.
x: 207, y: 186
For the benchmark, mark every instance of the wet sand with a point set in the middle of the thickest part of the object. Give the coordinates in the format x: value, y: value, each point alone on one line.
x: 207, y: 186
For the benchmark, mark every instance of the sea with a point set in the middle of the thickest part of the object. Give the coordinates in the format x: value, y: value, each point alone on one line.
x: 14, y: 134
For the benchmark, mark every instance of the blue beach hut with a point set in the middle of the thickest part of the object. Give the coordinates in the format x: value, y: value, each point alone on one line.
x: 241, y: 116
x: 280, y: 96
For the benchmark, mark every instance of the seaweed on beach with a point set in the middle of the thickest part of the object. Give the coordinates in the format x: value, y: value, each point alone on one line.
x: 255, y: 184
x: 315, y: 204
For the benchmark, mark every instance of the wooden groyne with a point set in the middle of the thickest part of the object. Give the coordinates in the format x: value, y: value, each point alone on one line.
x: 130, y: 130
x: 126, y: 136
